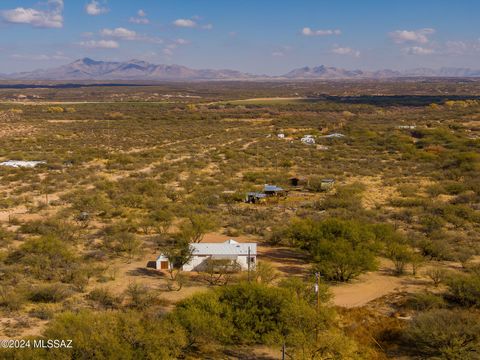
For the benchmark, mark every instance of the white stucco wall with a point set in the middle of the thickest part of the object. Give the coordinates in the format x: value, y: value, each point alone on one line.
x: 159, y: 260
x: 195, y: 263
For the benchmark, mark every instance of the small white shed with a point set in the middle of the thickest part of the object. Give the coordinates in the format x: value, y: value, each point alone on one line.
x: 163, y: 263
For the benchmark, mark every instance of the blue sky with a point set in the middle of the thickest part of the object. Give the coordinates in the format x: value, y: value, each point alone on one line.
x: 258, y: 36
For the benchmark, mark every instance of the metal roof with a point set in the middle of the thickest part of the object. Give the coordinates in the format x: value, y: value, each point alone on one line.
x: 229, y: 247
x: 272, y: 188
x: 22, y: 163
x: 334, y: 135
x: 257, y: 194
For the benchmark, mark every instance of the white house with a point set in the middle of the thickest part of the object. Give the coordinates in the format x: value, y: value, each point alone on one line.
x: 333, y: 136
x: 308, y: 140
x: 228, y: 250
x: 21, y: 163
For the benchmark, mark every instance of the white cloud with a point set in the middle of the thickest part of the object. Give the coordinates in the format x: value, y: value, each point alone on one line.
x: 94, y: 8
x: 420, y: 36
x: 306, y: 31
x: 49, y: 18
x: 185, y: 23
x: 40, y: 57
x: 457, y: 47
x: 167, y: 52
x: 120, y: 33
x: 282, y: 51
x: 181, y: 41
x: 100, y: 44
x: 418, y: 50
x: 345, y: 51
x: 141, y: 19
x: 169, y: 49
x: 207, y: 27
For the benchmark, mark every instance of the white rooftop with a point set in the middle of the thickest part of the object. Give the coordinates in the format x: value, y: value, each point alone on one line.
x: 21, y: 163
x: 229, y: 247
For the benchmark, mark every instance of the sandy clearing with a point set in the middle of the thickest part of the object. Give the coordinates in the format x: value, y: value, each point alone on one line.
x: 373, y: 285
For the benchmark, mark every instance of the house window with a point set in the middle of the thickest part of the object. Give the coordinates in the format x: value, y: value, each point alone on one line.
x: 252, y: 260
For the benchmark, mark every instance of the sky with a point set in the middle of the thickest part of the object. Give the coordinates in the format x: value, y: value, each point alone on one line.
x: 257, y: 36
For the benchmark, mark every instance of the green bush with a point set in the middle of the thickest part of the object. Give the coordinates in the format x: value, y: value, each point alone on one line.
x: 115, y: 335
x: 425, y: 301
x: 51, y: 293
x: 444, y: 334
x: 46, y: 258
x: 341, y: 250
x: 465, y: 289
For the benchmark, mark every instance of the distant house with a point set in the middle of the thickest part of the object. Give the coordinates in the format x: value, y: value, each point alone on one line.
x: 297, y: 181
x: 327, y: 184
x: 255, y: 197
x: 308, y: 140
x: 333, y: 136
x: 272, y: 190
x: 21, y: 163
x: 281, y: 136
x: 243, y: 254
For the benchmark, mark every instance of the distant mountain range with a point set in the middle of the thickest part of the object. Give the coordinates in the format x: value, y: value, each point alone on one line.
x: 88, y: 69
x: 325, y: 72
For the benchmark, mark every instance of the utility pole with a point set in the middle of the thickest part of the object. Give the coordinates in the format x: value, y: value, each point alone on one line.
x: 317, y: 290
x: 46, y: 191
x: 283, y: 351
x: 248, y: 263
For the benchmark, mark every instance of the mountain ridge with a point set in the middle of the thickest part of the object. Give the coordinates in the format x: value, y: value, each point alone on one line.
x: 135, y: 69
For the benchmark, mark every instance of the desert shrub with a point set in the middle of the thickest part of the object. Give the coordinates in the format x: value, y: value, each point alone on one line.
x: 140, y: 296
x: 401, y: 255
x: 444, y: 334
x: 437, y: 275
x: 464, y: 289
x: 62, y: 229
x: 44, y: 311
x: 105, y: 298
x: 11, y: 299
x: 303, y: 290
x: 5, y: 236
x: 119, y: 237
x: 55, y: 109
x: 265, y: 273
x: 115, y: 335
x: 45, y: 258
x: 244, y: 313
x: 341, y: 250
x: 432, y: 223
x: 407, y: 190
x: 206, y: 319
x: 50, y: 293
x: 437, y: 249
x: 424, y: 301
x: 346, y: 197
